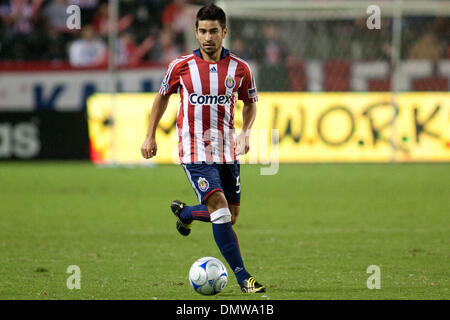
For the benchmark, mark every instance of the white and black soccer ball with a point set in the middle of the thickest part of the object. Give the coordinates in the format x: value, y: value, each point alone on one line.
x: 208, y: 276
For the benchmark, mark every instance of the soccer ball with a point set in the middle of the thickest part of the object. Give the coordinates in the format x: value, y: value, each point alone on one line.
x: 208, y: 276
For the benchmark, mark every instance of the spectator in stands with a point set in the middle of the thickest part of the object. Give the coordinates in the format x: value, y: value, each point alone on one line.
x: 89, y: 51
x: 165, y: 49
x: 131, y: 54
x: 101, y: 24
x: 174, y: 19
x: 440, y: 27
x: 100, y: 19
x: 56, y: 16
x: 273, y: 61
x: 20, y: 38
x: 273, y: 48
x: 238, y: 48
x: 426, y: 47
x: 17, y: 16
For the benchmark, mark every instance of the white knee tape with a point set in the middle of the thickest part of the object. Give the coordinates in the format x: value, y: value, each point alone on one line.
x: 222, y: 215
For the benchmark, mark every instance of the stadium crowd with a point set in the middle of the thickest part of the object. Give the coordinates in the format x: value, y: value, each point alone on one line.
x: 153, y: 32
x: 36, y: 30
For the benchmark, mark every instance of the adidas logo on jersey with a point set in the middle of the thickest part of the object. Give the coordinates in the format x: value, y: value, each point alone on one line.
x: 213, y: 69
x: 195, y: 98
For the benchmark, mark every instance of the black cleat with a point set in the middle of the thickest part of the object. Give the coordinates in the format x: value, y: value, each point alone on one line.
x: 251, y: 286
x: 183, y: 228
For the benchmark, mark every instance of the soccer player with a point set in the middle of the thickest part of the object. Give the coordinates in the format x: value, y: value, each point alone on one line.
x: 208, y: 81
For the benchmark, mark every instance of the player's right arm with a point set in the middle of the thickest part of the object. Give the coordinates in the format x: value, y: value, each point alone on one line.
x: 149, y: 147
x: 169, y: 85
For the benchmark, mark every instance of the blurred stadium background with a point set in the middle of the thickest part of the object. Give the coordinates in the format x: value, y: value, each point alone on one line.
x: 293, y: 46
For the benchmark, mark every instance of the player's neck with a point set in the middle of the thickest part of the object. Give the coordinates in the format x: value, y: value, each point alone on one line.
x: 213, y: 58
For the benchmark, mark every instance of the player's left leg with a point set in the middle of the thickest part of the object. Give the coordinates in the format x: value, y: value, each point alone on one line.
x: 234, y: 209
x: 231, y: 184
x: 224, y: 235
x: 228, y: 243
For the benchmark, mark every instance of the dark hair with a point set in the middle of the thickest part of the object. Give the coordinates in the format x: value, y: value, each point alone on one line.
x: 211, y: 12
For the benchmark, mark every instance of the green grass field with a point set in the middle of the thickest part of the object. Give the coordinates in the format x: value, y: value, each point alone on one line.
x: 308, y: 232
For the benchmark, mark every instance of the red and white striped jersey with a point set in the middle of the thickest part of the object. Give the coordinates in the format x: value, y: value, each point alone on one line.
x: 205, y: 118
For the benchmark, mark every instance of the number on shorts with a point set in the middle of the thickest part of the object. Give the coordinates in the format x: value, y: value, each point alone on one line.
x: 238, y: 184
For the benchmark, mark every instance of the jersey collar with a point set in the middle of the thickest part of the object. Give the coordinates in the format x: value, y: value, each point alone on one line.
x: 225, y: 52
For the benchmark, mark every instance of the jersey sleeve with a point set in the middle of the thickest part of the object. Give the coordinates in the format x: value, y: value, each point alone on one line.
x: 171, y: 80
x: 247, y: 91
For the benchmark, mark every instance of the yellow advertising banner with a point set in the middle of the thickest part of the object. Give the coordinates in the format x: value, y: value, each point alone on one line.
x: 290, y: 127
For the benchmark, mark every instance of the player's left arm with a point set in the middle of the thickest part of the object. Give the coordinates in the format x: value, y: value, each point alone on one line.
x: 248, y: 116
x: 243, y: 144
x: 248, y: 94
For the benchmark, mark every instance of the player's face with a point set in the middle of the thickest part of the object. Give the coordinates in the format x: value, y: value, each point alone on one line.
x: 210, y: 35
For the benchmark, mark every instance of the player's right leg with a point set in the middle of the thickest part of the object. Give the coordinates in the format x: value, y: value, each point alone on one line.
x: 187, y: 214
x: 205, y: 180
x: 183, y: 227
